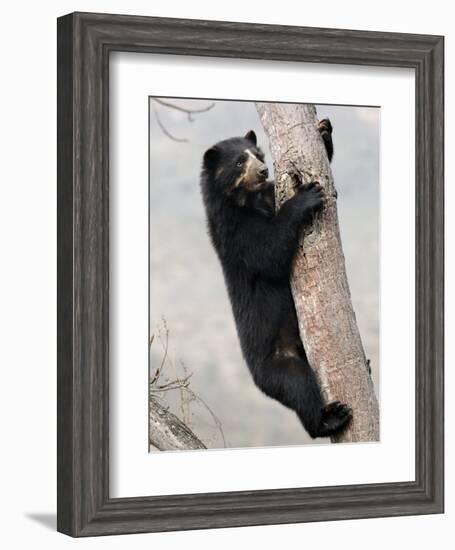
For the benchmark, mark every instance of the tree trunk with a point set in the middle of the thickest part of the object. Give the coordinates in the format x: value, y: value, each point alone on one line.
x: 169, y: 433
x: 319, y: 284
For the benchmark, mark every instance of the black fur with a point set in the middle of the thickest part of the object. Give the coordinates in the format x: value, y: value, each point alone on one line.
x: 256, y: 247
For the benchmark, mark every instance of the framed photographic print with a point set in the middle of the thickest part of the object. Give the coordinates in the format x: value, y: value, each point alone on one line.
x: 250, y: 274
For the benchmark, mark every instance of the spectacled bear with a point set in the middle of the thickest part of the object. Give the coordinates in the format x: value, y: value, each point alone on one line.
x: 256, y: 247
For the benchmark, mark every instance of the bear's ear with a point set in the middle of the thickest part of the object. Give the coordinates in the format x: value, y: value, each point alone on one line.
x: 251, y: 136
x: 211, y: 157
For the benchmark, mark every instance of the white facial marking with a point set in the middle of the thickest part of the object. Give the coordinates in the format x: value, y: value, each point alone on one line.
x: 250, y: 165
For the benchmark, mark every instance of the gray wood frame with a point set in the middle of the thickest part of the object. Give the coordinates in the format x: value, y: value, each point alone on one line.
x: 84, y: 44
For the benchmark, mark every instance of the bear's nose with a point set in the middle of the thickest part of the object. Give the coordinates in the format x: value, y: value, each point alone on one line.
x: 264, y: 171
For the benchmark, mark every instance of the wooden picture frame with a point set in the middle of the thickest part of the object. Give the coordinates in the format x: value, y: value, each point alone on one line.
x: 84, y: 44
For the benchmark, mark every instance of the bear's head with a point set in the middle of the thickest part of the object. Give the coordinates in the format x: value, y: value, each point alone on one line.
x: 235, y: 164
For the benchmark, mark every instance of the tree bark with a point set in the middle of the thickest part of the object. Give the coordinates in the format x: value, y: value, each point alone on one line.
x: 169, y: 433
x: 319, y: 284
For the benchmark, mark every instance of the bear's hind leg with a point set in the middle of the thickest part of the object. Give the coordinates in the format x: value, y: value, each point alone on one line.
x: 292, y: 382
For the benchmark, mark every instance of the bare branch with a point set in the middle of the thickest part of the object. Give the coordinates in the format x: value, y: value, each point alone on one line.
x: 173, y: 385
x: 212, y: 414
x: 168, y: 433
x: 179, y: 383
x: 165, y: 130
x: 159, y: 369
x: 186, y: 110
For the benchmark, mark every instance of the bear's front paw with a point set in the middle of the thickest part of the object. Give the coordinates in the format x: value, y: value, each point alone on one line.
x: 325, y: 126
x: 335, y: 417
x: 325, y: 131
x: 313, y: 197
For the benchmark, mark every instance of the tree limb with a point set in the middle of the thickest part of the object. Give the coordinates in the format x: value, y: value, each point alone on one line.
x: 319, y: 284
x: 167, y: 432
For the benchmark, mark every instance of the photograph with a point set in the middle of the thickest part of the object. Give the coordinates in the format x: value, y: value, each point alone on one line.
x: 264, y: 274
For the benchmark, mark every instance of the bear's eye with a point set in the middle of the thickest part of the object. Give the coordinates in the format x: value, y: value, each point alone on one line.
x: 240, y: 162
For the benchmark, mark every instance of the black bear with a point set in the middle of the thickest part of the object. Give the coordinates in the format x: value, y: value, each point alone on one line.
x: 256, y: 246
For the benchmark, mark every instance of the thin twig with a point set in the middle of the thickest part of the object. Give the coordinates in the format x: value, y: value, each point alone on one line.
x: 186, y: 110
x: 185, y: 399
x: 158, y: 370
x: 212, y: 414
x: 181, y: 384
x: 165, y: 130
x: 173, y: 384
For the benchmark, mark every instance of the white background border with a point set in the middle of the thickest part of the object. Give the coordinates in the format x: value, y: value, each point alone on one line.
x: 134, y: 472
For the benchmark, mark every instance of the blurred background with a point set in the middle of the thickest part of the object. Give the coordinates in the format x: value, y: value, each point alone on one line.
x: 202, y: 376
